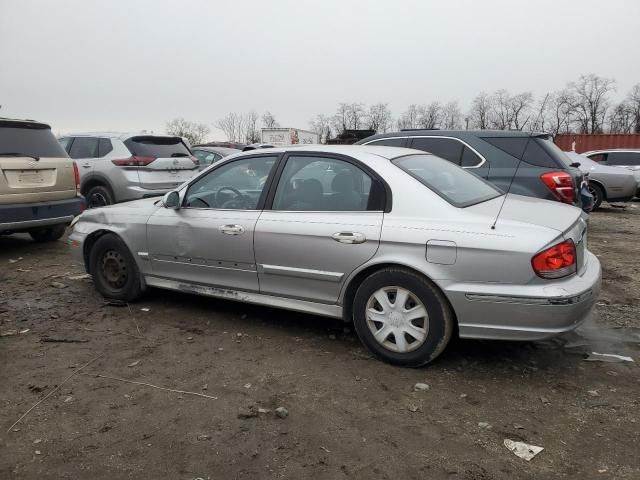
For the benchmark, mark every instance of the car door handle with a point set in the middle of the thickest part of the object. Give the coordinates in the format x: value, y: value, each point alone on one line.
x: 86, y: 165
x: 349, y: 237
x: 231, y: 229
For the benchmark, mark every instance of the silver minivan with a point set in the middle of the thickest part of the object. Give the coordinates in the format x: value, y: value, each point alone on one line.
x: 116, y: 167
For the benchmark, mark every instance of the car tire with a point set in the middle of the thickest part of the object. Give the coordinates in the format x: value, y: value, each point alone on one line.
x: 48, y: 234
x: 407, y: 341
x: 598, y: 195
x: 99, y: 196
x: 114, y: 270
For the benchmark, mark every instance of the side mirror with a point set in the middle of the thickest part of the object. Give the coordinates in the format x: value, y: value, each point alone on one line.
x: 171, y: 200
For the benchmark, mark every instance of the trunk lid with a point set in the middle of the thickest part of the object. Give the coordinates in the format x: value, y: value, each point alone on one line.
x: 33, y: 165
x: 171, y: 163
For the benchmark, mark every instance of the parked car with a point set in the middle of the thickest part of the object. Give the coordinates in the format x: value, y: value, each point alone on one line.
x: 39, y: 183
x: 208, y: 155
x: 495, y: 156
x: 117, y: 167
x: 605, y: 183
x: 620, y: 158
x: 407, y: 245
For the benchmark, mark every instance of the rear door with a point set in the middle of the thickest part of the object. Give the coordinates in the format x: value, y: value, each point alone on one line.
x: 33, y: 165
x: 84, y: 150
x: 164, y: 162
x: 325, y: 222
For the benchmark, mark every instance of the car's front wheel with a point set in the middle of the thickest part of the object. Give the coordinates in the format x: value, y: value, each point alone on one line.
x: 48, y: 234
x: 401, y: 317
x: 114, y: 270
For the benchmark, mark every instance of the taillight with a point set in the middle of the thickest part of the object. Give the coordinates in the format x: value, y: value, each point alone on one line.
x: 76, y: 176
x: 557, y: 261
x: 561, y: 185
x: 134, y: 161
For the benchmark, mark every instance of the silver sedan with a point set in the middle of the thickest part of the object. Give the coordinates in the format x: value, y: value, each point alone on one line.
x: 611, y: 184
x: 409, y: 247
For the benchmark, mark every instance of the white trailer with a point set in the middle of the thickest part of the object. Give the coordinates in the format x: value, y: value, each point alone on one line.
x: 280, y: 137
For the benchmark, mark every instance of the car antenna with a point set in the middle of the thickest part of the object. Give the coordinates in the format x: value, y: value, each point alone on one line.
x: 504, y: 198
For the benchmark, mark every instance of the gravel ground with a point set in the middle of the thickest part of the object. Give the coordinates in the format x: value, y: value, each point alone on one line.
x: 346, y: 415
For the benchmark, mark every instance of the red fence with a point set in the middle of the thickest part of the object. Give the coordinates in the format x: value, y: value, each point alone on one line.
x: 599, y: 141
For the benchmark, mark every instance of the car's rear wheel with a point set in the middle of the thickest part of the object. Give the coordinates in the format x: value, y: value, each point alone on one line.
x: 597, y: 193
x: 98, y: 196
x: 114, y: 270
x: 401, y: 317
x: 48, y: 234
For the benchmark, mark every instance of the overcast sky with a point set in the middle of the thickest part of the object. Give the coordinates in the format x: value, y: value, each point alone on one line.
x: 128, y: 65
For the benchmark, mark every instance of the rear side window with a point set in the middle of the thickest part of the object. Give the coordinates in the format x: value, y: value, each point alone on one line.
x: 469, y: 158
x: 84, y: 147
x: 158, y: 147
x: 457, y: 186
x: 538, y: 151
x: 446, y: 148
x: 388, y: 142
x: 623, y: 158
x: 104, y: 147
x: 29, y: 140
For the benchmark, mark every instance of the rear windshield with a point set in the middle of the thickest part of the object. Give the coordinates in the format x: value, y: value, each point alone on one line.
x: 456, y: 185
x: 28, y: 140
x: 159, y: 147
x: 538, y: 150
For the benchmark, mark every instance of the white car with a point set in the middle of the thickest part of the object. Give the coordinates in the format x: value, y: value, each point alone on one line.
x: 628, y: 158
x: 116, y: 167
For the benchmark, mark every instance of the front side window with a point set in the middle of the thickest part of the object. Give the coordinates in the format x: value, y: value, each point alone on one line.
x: 454, y: 184
x: 205, y: 157
x: 238, y: 185
x: 84, y: 147
x: 323, y: 184
x: 446, y: 148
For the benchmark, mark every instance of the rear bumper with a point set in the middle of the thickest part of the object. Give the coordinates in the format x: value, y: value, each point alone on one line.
x: 526, y: 312
x: 25, y: 216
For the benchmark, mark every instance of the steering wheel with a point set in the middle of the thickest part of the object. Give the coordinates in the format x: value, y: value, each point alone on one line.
x: 238, y: 202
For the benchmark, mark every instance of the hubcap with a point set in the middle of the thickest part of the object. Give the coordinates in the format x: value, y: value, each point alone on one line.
x: 114, y: 269
x: 397, y: 319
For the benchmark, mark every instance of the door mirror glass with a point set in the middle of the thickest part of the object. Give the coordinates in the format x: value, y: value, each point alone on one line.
x: 171, y: 200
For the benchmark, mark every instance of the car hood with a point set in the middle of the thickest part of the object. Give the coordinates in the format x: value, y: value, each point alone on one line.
x: 529, y: 210
x: 114, y: 213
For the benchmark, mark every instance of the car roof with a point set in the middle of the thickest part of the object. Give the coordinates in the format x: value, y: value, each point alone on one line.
x: 385, y: 152
x: 610, y: 150
x: 218, y: 149
x: 453, y: 133
x: 24, y: 123
x: 120, y: 135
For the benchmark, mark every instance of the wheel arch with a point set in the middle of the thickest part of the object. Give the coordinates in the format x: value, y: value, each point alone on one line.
x: 602, y: 187
x: 95, y: 181
x: 356, y: 279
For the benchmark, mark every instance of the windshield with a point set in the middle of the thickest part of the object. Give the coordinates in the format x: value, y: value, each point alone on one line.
x: 159, y: 147
x: 29, y: 140
x: 457, y: 186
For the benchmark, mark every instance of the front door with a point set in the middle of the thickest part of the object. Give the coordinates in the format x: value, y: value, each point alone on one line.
x: 209, y: 240
x: 324, y: 223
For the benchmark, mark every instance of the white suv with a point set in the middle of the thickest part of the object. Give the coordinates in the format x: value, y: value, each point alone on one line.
x: 118, y: 167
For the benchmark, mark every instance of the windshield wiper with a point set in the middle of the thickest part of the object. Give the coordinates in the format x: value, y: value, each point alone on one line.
x: 18, y: 154
x: 179, y: 155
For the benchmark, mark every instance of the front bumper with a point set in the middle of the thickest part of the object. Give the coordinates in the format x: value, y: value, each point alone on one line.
x: 526, y: 312
x: 25, y: 216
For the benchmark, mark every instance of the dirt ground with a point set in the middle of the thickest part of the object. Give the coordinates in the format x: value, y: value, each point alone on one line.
x: 349, y: 416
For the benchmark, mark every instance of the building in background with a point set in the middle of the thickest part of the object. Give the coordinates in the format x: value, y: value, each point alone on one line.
x: 279, y: 137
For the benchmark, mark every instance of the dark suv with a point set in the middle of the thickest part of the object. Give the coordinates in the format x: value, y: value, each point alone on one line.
x: 495, y: 155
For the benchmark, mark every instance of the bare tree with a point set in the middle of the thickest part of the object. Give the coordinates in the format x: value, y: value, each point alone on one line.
x: 321, y: 125
x: 410, y: 118
x: 520, y: 106
x: 479, y: 115
x: 269, y: 120
x: 451, y: 116
x: 621, y: 118
x: 232, y: 124
x: 379, y: 118
x: 430, y: 115
x: 251, y: 132
x: 194, y: 132
x: 356, y: 115
x: 591, y: 95
x: 633, y: 99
